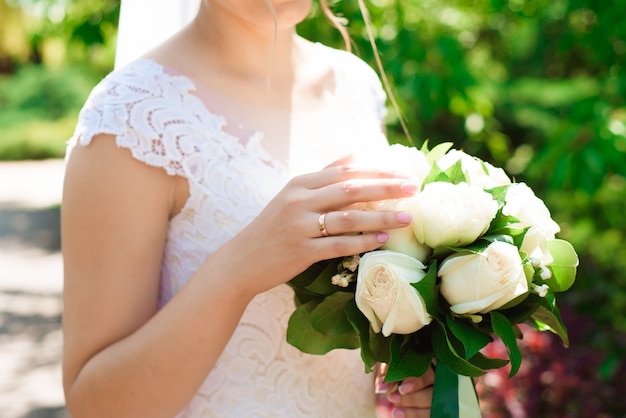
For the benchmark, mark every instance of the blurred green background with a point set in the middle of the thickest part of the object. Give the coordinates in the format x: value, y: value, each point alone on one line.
x: 537, y: 87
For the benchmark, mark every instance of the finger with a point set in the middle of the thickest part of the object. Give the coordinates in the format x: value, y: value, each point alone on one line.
x: 344, y: 160
x: 418, y: 399
x: 413, y: 384
x: 383, y: 407
x: 352, y: 221
x: 336, y: 174
x: 410, y: 412
x: 345, y: 193
x: 382, y: 387
x: 348, y: 245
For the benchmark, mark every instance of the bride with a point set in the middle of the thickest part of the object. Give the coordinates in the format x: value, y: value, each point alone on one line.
x: 201, y: 177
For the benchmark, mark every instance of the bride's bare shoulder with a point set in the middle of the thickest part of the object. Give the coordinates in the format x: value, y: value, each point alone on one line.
x: 175, y: 52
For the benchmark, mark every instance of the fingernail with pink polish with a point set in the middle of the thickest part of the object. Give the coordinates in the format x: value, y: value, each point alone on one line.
x: 382, y: 387
x: 409, y: 187
x: 398, y: 413
x: 404, y: 217
x: 406, y: 387
x: 382, y: 237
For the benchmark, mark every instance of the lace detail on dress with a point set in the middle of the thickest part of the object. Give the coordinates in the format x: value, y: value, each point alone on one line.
x: 156, y: 116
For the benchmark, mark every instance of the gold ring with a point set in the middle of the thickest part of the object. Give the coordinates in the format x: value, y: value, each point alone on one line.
x: 321, y: 221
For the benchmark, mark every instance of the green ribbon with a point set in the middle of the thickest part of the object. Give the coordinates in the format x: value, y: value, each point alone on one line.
x: 454, y: 396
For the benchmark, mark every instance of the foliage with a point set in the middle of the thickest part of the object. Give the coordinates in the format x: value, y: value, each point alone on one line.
x: 38, y: 110
x: 70, y: 47
x: 45, y: 93
x: 538, y: 87
x: 86, y: 30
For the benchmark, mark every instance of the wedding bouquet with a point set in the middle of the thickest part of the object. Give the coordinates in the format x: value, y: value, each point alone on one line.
x: 479, y: 258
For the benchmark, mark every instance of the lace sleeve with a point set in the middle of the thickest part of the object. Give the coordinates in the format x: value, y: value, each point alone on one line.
x: 148, y: 113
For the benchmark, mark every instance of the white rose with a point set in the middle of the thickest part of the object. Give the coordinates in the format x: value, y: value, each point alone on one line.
x: 521, y: 202
x: 408, y: 160
x: 497, y: 176
x: 402, y: 240
x: 479, y: 173
x: 479, y: 283
x: 397, y: 157
x: 384, y: 293
x: 446, y: 214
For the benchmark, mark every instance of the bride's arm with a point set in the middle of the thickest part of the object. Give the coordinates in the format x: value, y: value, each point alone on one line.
x: 122, y: 357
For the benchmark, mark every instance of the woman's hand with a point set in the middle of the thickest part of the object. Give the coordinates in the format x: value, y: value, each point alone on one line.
x: 411, y: 398
x: 287, y: 236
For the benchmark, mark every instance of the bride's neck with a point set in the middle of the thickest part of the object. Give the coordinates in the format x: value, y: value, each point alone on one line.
x: 241, y: 49
x: 245, y: 60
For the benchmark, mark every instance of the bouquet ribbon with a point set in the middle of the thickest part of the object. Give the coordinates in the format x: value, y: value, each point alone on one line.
x: 454, y: 395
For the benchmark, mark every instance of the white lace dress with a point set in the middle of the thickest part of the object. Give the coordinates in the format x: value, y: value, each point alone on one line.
x: 165, y: 122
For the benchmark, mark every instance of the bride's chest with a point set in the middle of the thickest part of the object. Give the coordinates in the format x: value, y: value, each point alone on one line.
x: 243, y: 156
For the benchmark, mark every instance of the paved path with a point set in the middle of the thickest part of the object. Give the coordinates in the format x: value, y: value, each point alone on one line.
x: 30, y: 290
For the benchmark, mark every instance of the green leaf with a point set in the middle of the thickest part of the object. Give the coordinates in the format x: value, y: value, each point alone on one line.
x: 302, y: 297
x: 471, y: 337
x: 501, y: 222
x: 476, y: 248
x: 522, y: 312
x: 516, y: 234
x: 428, y: 290
x: 482, y: 243
x: 315, y: 281
x: 518, y: 333
x: 546, y: 321
x: 329, y: 316
x: 499, y: 194
x: 487, y: 363
x: 498, y: 238
x: 547, y: 318
x: 374, y: 347
x: 446, y: 353
x: 529, y: 270
x: 380, y: 346
x: 437, y: 152
x: 564, y: 266
x: 456, y: 174
x: 504, y: 329
x: 309, y: 275
x: 302, y: 334
x: 516, y: 301
x: 436, y: 175
x: 407, y: 359
x: 322, y: 284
